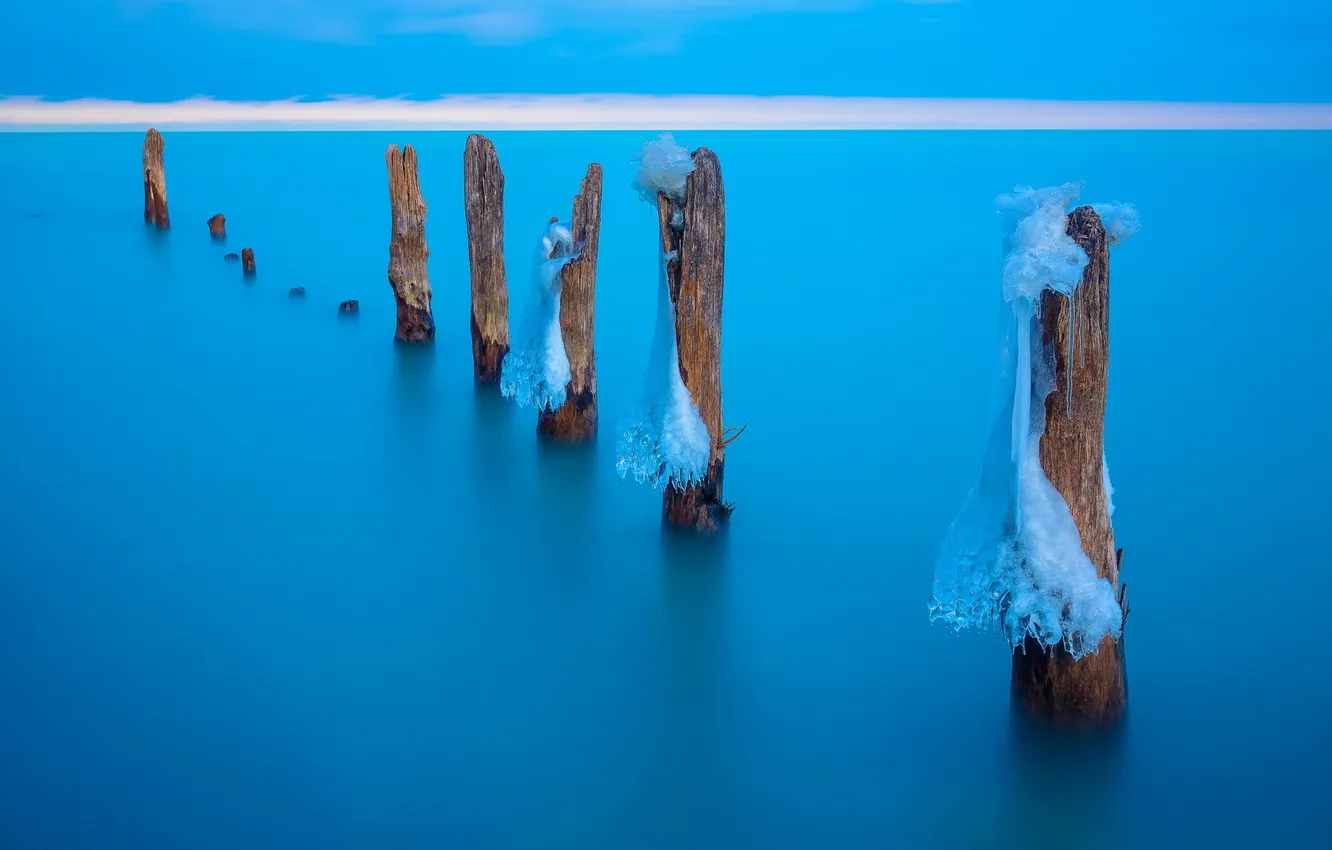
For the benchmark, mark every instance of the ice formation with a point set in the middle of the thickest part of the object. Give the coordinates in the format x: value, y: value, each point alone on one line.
x: 1121, y: 220
x: 1013, y: 558
x: 662, y: 437
x: 535, y: 373
x: 663, y: 166
x: 1109, y: 488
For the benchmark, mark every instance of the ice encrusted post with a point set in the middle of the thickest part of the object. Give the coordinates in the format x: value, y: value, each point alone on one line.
x: 408, y: 252
x: 694, y: 276
x: 483, y: 199
x: 1047, y: 682
x: 1032, y: 551
x: 154, y: 181
x: 575, y: 421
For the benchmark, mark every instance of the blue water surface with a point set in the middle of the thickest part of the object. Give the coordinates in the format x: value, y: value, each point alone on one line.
x: 268, y: 580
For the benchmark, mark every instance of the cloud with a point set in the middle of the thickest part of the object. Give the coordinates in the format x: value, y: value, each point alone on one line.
x: 482, y: 21
x: 489, y: 27
x: 650, y: 112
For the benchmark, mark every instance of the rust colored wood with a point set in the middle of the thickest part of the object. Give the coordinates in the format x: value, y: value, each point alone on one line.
x: 217, y: 226
x: 247, y: 260
x: 154, y: 181
x: 1049, y: 685
x: 483, y: 200
x: 694, y: 278
x: 408, y: 252
x: 576, y: 419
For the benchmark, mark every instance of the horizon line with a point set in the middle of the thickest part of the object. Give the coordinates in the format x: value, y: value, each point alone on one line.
x: 26, y: 113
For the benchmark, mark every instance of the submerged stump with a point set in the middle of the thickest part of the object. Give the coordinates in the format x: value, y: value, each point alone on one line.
x: 1047, y: 684
x: 247, y: 261
x: 154, y: 181
x: 408, y: 252
x: 694, y: 277
x: 483, y: 200
x: 217, y: 226
x: 575, y: 421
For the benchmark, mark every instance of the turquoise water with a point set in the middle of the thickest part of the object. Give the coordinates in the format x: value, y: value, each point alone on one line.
x: 269, y: 581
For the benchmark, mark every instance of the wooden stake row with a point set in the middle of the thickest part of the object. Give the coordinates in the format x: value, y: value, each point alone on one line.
x: 696, y: 285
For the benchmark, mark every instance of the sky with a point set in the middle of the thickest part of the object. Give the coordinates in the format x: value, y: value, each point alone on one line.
x: 1153, y: 50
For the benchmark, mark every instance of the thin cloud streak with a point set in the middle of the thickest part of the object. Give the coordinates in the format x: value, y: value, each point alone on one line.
x: 483, y: 21
x: 649, y: 112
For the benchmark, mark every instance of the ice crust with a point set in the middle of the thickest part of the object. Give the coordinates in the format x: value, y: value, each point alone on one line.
x: 663, y: 166
x: 1012, y: 558
x: 535, y: 373
x: 662, y: 439
x: 1121, y: 220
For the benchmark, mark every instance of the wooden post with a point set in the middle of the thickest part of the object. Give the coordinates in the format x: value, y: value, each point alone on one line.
x: 483, y: 199
x: 217, y: 226
x: 1049, y: 685
x: 154, y: 181
x: 694, y: 278
x: 247, y: 261
x: 576, y: 420
x: 408, y: 252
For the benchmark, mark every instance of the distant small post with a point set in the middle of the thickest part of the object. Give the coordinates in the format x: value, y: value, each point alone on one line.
x: 1047, y: 683
x: 575, y: 421
x: 483, y: 199
x: 217, y: 226
x: 154, y: 181
x: 695, y: 278
x: 408, y: 252
x: 247, y: 261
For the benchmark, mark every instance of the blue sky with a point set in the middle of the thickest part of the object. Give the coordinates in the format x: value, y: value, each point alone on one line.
x: 157, y: 50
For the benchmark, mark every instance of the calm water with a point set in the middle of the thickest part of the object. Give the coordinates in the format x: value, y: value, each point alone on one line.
x: 269, y: 581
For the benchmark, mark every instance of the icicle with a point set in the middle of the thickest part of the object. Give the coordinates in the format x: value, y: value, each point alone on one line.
x: 1021, y: 405
x: 1072, y: 299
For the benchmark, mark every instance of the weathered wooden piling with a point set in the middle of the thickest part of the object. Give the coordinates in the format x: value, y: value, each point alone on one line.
x: 217, y: 226
x: 247, y: 260
x: 483, y: 200
x: 408, y: 252
x: 154, y: 181
x: 1048, y: 685
x: 694, y: 277
x: 576, y: 420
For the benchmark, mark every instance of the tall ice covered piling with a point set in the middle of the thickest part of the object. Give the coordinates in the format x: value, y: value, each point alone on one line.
x: 483, y: 199
x: 408, y: 252
x: 1032, y: 552
x: 694, y: 278
x: 575, y: 420
x: 672, y: 435
x: 154, y: 181
x: 1051, y: 684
